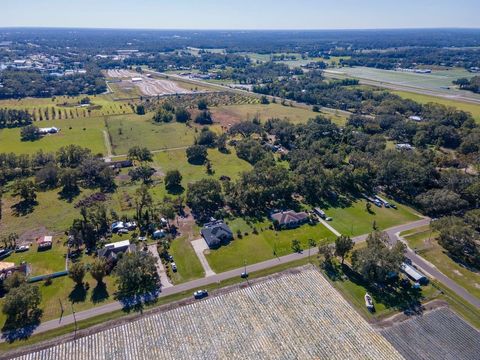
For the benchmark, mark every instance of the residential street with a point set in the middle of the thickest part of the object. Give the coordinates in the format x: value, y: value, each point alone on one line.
x: 392, y: 232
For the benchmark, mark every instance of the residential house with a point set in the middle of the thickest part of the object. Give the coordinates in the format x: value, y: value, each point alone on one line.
x: 289, y: 219
x: 111, y: 251
x: 216, y: 233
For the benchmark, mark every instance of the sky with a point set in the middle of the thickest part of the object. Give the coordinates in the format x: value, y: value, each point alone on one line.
x: 241, y: 14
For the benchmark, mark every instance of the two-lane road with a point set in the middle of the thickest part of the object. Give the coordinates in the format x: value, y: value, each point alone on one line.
x: 188, y: 286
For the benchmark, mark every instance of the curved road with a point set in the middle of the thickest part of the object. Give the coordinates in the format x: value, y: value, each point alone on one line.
x: 392, y: 233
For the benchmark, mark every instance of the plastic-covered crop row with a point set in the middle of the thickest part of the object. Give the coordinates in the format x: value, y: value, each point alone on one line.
x: 298, y: 316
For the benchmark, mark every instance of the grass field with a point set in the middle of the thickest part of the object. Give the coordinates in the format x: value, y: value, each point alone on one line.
x: 253, y: 248
x: 235, y: 113
x: 425, y: 243
x: 127, y: 131
x: 85, y: 132
x: 189, y: 267
x: 439, y: 81
x: 474, y: 109
x: 355, y: 220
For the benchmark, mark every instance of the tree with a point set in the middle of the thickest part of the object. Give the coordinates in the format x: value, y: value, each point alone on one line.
x: 13, y: 281
x: 437, y: 202
x: 368, y: 207
x: 296, y: 247
x: 205, y: 198
x: 202, y: 104
x: 327, y: 252
x: 69, y: 183
x: 197, y: 154
x: 47, y: 176
x: 315, y: 108
x: 21, y: 304
x: 173, y: 180
x: 182, y: 115
x: 343, y: 245
x: 163, y: 115
x: 222, y: 143
x: 141, y: 154
x: 98, y: 269
x: 143, y: 173
x: 264, y: 100
x: 26, y: 190
x: 76, y: 272
x: 207, y: 138
x: 143, y: 200
x: 140, y: 109
x: 137, y: 277
x: 204, y: 118
x: 30, y: 133
x: 377, y: 261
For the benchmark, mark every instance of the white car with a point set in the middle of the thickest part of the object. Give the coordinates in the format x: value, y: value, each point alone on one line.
x: 174, y: 267
x: 22, y: 248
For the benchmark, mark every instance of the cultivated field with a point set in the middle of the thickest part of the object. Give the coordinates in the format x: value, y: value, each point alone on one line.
x: 439, y: 334
x: 297, y: 316
x: 148, y: 85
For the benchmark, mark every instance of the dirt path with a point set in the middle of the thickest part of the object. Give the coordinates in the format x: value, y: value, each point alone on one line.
x: 108, y: 146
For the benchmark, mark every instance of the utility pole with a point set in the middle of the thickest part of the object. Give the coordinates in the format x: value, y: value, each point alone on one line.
x: 61, y: 310
x: 74, y: 320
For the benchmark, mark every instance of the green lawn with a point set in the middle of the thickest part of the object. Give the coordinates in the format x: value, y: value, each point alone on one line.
x: 189, y: 267
x: 474, y: 109
x: 130, y: 130
x: 86, y: 132
x: 254, y: 248
x: 427, y: 246
x: 236, y: 113
x: 355, y: 220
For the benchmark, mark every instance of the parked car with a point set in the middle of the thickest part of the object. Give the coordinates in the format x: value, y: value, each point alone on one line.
x: 122, y: 231
x: 170, y: 258
x: 244, y: 275
x: 328, y: 218
x: 174, y: 267
x: 22, y: 248
x: 200, y: 294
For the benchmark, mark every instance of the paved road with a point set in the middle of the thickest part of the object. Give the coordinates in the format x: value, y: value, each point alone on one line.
x: 188, y: 286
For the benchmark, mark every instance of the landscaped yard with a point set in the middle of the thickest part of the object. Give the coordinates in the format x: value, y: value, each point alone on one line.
x: 86, y: 132
x: 252, y: 248
x: 130, y: 130
x: 189, y: 267
x: 355, y: 220
x: 425, y: 243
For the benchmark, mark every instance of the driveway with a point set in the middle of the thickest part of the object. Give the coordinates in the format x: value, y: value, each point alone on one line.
x: 329, y: 227
x: 160, y: 269
x: 200, y: 246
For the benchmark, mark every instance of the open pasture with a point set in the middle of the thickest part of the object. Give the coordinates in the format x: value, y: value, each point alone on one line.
x: 296, y: 316
x: 85, y: 132
x: 128, y: 131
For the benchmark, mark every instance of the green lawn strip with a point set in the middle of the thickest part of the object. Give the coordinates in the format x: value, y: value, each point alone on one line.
x: 253, y: 248
x: 189, y: 267
x: 85, y: 132
x: 355, y: 220
x: 353, y: 287
x: 474, y: 109
x: 130, y: 130
x: 430, y: 250
x: 161, y: 301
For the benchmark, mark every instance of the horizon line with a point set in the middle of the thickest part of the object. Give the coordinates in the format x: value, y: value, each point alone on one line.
x: 233, y: 29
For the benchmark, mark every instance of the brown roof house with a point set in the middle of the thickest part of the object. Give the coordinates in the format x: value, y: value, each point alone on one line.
x: 288, y: 219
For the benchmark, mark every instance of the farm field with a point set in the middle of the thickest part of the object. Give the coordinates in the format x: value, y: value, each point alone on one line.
x: 298, y: 314
x: 474, y: 109
x: 253, y: 248
x: 355, y: 220
x: 67, y: 107
x: 426, y: 245
x: 130, y: 130
x: 232, y: 114
x: 439, y: 334
x: 85, y: 132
